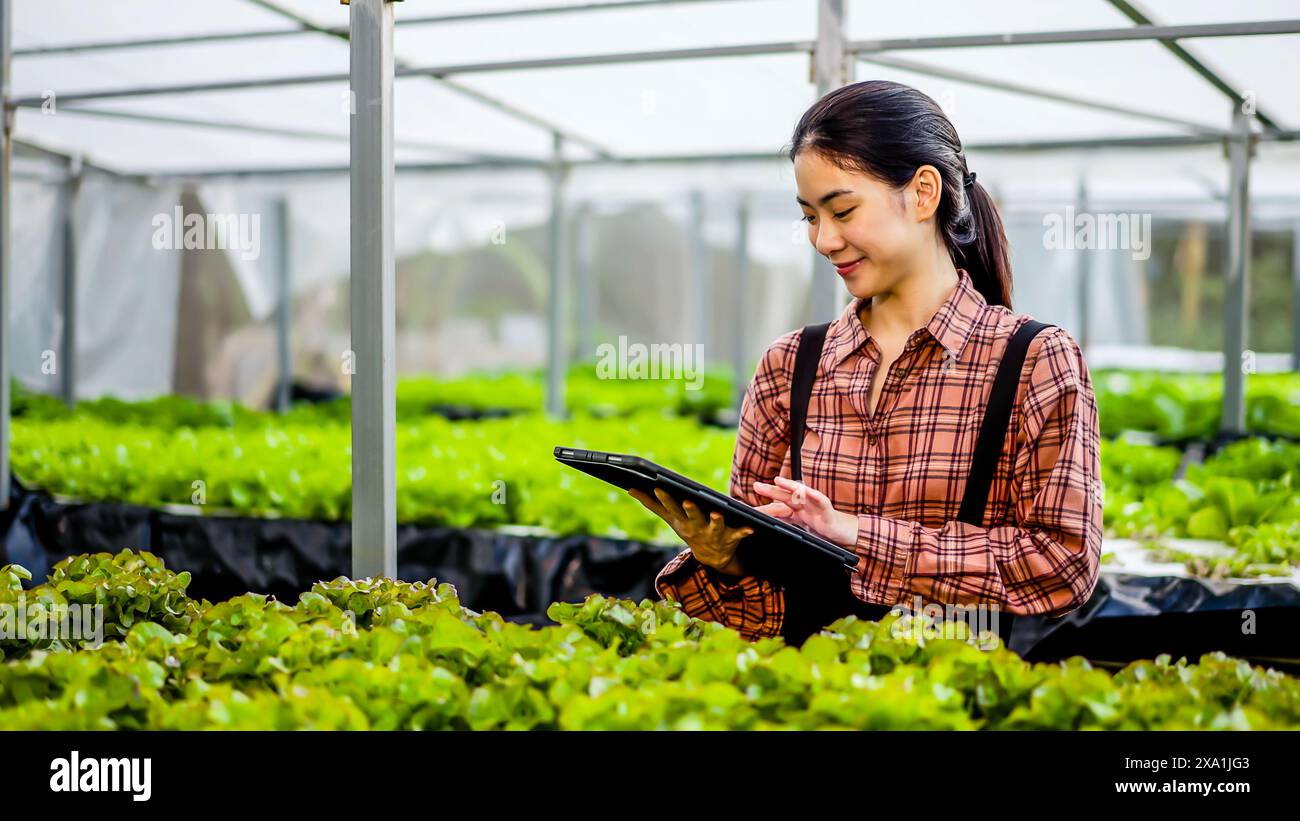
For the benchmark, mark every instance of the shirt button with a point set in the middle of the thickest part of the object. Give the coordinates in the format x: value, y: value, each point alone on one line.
x: 872, y: 438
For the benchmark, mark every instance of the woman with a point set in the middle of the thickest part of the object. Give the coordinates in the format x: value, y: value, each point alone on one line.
x: 900, y: 391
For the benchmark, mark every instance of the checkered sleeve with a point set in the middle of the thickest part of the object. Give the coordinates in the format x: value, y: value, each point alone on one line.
x: 1045, y: 563
x: 753, y: 606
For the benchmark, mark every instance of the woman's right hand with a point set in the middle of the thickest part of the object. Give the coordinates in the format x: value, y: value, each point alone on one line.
x: 710, y: 540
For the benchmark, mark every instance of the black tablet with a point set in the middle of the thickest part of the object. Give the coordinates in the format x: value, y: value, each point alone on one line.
x: 777, y: 550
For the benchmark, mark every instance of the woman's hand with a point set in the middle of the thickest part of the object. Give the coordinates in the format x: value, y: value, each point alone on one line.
x: 710, y: 540
x: 808, y: 508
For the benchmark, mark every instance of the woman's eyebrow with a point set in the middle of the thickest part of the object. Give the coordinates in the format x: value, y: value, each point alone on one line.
x: 832, y: 195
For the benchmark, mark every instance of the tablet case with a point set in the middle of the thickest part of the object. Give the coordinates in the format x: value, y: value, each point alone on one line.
x: 779, y: 551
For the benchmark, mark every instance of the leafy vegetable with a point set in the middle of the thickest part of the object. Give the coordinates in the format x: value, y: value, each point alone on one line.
x: 379, y: 654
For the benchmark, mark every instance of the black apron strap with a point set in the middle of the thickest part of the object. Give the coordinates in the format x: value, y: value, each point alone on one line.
x: 809, y: 608
x: 808, y: 611
x: 997, y: 417
x: 993, y: 431
x: 805, y: 372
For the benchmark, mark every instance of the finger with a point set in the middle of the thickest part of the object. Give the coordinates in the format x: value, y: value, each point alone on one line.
x: 693, y: 513
x: 669, y: 503
x: 771, y: 491
x: 736, y: 534
x: 716, y: 526
x: 778, y: 509
x: 650, y: 504
x: 803, y: 496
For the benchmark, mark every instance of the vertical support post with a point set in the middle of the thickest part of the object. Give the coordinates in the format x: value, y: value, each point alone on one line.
x: 1236, y: 300
x: 556, y: 369
x: 830, y: 70
x: 284, y: 309
x: 374, y: 475
x: 6, y: 149
x: 702, y: 274
x: 1295, y: 297
x: 68, y: 336
x: 584, y: 285
x: 1083, y: 270
x: 744, y: 303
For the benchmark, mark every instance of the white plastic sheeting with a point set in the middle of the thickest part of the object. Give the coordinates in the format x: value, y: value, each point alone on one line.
x: 448, y: 224
x: 126, y: 291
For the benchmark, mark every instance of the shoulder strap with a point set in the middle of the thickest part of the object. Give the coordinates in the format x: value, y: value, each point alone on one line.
x: 997, y: 417
x: 805, y: 371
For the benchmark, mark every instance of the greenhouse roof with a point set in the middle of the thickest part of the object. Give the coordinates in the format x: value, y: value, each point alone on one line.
x: 249, y: 85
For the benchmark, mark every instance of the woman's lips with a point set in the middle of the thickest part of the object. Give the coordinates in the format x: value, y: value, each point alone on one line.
x: 848, y: 268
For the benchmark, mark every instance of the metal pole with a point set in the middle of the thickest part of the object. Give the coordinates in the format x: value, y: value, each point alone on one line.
x: 6, y: 149
x: 284, y: 307
x: 225, y: 37
x: 701, y: 268
x: 374, y: 476
x: 585, y: 286
x: 1295, y: 297
x: 763, y: 157
x: 1083, y: 271
x: 555, y: 361
x: 68, y: 336
x: 1237, y: 294
x: 744, y: 303
x: 831, y: 65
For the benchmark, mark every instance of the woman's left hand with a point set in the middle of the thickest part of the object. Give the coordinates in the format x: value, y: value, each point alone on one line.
x: 808, y: 508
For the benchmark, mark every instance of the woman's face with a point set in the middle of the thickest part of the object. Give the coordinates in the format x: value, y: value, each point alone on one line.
x: 865, y: 221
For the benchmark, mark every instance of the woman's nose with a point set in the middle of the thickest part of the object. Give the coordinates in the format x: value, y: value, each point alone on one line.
x: 828, y: 241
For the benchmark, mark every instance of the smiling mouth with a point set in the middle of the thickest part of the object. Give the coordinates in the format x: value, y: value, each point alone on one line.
x: 848, y: 267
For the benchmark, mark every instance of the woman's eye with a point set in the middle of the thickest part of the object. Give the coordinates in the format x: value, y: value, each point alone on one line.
x: 842, y: 214
x: 809, y: 218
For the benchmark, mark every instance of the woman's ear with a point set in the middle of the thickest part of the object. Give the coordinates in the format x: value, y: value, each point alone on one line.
x: 926, y: 189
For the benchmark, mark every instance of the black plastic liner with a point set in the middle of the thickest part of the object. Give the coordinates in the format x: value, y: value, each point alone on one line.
x: 1132, y: 617
x: 1128, y: 617
x: 517, y: 576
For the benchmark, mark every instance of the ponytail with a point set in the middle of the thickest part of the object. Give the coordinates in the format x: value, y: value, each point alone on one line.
x: 985, y: 257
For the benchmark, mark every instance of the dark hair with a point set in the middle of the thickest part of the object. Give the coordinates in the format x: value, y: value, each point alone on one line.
x: 887, y: 131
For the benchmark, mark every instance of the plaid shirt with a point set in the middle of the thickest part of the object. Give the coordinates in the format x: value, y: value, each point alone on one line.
x: 903, y: 470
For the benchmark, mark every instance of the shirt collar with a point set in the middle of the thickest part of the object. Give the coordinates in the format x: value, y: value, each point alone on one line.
x: 950, y: 326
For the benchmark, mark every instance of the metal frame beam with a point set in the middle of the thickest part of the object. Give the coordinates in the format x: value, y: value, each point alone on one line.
x: 700, y: 265
x: 1039, y: 93
x: 71, y: 191
x: 556, y: 360
x: 1236, y: 301
x: 1295, y: 297
x: 1131, y: 10
x: 6, y: 151
x: 465, y: 91
x: 29, y: 147
x: 1170, y: 141
x: 272, y: 131
x: 586, y: 291
x: 1060, y: 37
x: 309, y: 28
x: 744, y: 304
x: 832, y: 68
x: 284, y: 307
x: 374, y: 474
x: 442, y: 72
